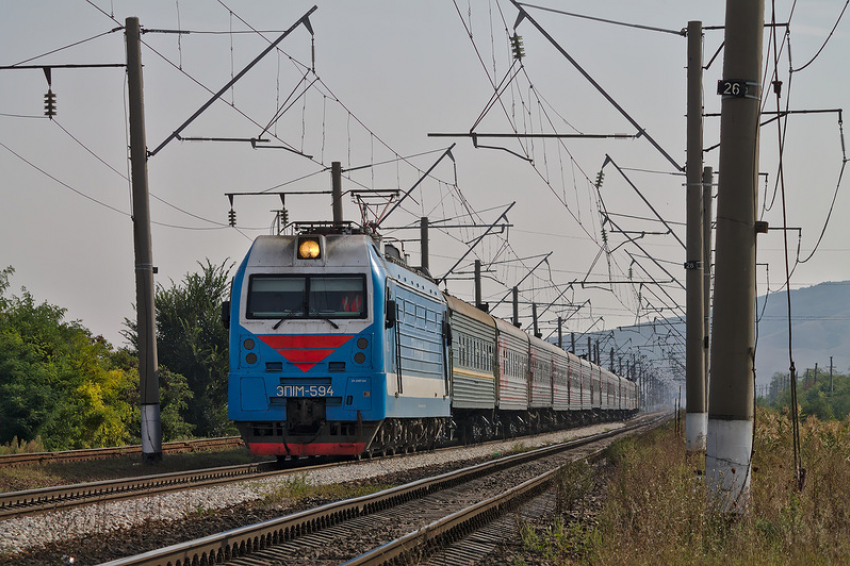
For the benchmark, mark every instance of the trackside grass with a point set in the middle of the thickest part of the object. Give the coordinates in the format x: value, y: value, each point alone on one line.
x: 298, y: 489
x: 655, y: 509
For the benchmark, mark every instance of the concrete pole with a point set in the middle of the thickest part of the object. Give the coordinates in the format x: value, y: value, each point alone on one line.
x: 516, y: 306
x: 730, y: 412
x: 708, y: 205
x: 561, y: 333
x: 336, y: 192
x: 151, y: 425
x: 423, y: 237
x: 696, y: 419
x: 573, y: 342
x: 478, y: 302
x: 640, y: 388
x: 534, y: 319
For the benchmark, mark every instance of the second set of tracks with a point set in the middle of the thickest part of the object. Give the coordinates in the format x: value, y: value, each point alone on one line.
x: 59, y: 498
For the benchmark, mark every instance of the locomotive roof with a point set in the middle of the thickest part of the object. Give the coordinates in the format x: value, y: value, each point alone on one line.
x: 341, y: 250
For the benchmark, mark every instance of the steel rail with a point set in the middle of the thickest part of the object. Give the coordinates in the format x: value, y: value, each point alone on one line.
x: 59, y: 498
x: 215, y: 549
x: 26, y: 458
x: 49, y: 499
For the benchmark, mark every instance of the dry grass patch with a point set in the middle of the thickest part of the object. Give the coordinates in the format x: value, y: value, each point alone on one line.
x: 656, y: 508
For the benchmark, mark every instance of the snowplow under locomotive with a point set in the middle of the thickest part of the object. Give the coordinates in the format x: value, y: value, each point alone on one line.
x: 339, y: 348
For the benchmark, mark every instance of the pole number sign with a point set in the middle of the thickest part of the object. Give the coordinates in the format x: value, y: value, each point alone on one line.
x: 738, y: 88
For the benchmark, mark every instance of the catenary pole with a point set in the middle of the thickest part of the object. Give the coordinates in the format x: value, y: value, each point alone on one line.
x: 477, y: 284
x: 423, y: 242
x: 336, y: 193
x: 151, y: 427
x: 730, y: 411
x: 695, y: 416
x: 708, y: 206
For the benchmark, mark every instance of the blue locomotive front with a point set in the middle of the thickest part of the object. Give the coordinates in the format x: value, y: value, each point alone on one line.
x: 327, y: 356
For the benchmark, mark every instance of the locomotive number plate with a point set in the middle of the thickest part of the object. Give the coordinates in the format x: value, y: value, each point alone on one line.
x: 305, y: 391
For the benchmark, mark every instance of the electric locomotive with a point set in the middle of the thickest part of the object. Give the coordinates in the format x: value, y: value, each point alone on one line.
x: 335, y: 347
x: 338, y: 347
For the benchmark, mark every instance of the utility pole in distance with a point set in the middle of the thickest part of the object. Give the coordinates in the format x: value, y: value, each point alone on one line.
x: 730, y: 411
x: 695, y: 417
x: 145, y: 311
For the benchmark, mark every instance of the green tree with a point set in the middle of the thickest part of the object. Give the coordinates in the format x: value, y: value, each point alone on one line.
x: 814, y: 397
x: 57, y: 381
x: 174, y: 397
x: 193, y: 342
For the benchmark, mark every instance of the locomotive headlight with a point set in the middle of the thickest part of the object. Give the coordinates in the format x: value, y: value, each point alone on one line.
x: 309, y: 248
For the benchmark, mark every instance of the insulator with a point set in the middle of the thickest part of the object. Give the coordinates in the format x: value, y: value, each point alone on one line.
x: 50, y: 104
x: 231, y: 217
x: 604, y: 237
x: 284, y: 216
x: 599, y: 178
x: 516, y: 46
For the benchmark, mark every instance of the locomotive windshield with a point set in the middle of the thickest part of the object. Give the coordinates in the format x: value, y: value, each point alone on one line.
x: 307, y: 296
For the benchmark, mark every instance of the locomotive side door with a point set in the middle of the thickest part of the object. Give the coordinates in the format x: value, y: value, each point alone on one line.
x: 392, y: 345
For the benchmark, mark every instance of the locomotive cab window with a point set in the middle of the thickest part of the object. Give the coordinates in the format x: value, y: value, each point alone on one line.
x: 274, y: 297
x: 306, y: 296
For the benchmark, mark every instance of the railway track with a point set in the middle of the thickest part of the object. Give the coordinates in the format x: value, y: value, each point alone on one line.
x: 448, y: 539
x: 112, y: 452
x: 425, y: 512
x: 471, y: 534
x: 50, y: 499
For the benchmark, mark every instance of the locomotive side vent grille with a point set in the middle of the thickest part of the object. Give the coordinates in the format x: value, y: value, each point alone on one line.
x: 274, y: 366
x: 336, y: 366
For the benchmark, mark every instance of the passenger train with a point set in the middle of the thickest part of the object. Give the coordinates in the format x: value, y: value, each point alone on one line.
x: 337, y: 347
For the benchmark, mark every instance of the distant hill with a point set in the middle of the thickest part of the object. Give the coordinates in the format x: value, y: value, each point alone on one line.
x: 820, y: 329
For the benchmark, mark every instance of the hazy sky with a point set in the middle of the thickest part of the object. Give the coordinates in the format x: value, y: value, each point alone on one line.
x: 386, y: 75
